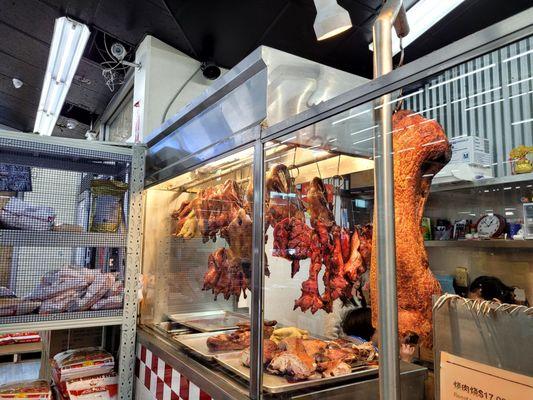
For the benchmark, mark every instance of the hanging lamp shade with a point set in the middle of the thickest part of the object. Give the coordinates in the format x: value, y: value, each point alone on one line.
x: 331, y: 19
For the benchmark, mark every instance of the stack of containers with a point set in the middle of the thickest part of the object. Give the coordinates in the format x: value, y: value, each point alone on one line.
x: 85, y: 374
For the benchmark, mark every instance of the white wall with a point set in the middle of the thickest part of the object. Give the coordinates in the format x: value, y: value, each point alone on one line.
x: 163, y: 71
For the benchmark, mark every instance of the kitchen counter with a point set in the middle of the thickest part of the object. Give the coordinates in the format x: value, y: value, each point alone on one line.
x: 165, y: 359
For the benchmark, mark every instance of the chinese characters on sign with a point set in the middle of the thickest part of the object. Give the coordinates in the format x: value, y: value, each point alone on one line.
x: 462, y: 379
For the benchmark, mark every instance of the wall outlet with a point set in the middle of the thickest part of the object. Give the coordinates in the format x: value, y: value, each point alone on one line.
x: 461, y: 276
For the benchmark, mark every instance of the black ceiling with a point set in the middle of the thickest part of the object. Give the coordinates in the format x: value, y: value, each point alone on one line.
x: 224, y: 31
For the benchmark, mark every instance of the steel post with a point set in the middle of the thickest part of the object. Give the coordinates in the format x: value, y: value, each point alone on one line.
x: 258, y: 240
x: 389, y: 367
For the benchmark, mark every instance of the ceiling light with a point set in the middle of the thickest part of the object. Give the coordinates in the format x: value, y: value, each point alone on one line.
x: 331, y: 19
x: 17, y: 83
x: 422, y: 16
x: 66, y: 49
x: 71, y: 123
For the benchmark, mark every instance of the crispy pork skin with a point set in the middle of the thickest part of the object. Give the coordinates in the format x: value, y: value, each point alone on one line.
x: 421, y: 149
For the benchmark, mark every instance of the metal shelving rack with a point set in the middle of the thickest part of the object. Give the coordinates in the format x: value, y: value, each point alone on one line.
x: 85, y: 157
x: 490, y: 243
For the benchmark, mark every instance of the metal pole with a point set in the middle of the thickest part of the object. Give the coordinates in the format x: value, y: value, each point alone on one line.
x: 389, y: 366
x: 258, y: 240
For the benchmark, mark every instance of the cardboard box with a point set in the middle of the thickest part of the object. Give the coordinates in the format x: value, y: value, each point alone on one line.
x: 470, y: 150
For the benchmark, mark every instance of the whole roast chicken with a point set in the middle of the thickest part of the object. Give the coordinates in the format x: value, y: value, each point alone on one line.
x: 421, y: 149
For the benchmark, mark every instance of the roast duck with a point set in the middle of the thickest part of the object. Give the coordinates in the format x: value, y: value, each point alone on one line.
x: 301, y: 359
x: 421, y: 150
x: 238, y: 339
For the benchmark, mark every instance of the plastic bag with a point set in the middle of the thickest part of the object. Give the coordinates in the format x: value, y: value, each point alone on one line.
x: 107, y: 205
x: 18, y: 214
x: 30, y: 389
x: 100, y: 387
x: 80, y: 363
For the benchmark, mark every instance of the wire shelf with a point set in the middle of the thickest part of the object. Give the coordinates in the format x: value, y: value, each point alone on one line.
x: 60, y: 239
x: 32, y: 318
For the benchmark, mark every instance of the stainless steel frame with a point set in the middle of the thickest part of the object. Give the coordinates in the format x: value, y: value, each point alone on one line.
x: 391, y: 14
x: 510, y: 30
x: 258, y: 274
x: 263, y: 89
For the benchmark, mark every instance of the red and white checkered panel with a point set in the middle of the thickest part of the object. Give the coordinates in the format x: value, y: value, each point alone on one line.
x: 155, y: 380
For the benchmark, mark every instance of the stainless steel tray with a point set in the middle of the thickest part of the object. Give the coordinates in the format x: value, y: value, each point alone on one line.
x: 197, y: 344
x: 173, y: 328
x: 210, y: 321
x: 279, y: 384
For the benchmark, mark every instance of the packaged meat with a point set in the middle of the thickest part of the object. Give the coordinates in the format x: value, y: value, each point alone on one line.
x: 19, y: 337
x: 6, y: 339
x: 14, y: 306
x: 102, y: 283
x: 100, y: 387
x: 109, y: 303
x: 18, y: 214
x: 6, y: 293
x: 69, y: 272
x: 25, y: 337
x: 45, y: 292
x: 30, y: 389
x: 80, y: 363
x: 66, y: 301
x: 116, y: 289
x: 26, y: 307
x: 8, y: 307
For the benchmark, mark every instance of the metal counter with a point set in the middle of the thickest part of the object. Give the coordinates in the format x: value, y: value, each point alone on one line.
x: 220, y: 385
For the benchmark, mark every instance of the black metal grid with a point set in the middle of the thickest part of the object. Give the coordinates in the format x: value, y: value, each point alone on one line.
x: 62, y: 247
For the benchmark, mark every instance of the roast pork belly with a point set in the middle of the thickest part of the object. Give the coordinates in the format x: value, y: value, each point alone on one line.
x: 421, y: 149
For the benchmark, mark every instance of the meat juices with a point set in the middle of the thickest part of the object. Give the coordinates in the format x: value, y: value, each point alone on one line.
x: 421, y: 150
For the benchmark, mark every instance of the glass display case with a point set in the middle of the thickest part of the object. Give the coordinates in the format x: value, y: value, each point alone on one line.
x: 280, y: 230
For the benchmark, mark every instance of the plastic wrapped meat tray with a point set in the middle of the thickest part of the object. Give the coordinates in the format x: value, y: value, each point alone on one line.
x: 80, y: 363
x: 31, y: 389
x: 71, y: 289
x: 19, y: 337
x: 99, y: 387
x: 18, y: 214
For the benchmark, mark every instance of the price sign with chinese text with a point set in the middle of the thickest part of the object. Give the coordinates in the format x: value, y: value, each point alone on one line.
x: 462, y: 379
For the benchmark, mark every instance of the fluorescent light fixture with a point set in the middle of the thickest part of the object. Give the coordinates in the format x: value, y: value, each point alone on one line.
x: 461, y: 76
x: 288, y: 139
x: 331, y: 19
x: 484, y: 92
x: 428, y: 110
x: 66, y: 49
x: 484, y: 104
x: 350, y: 117
x: 522, y: 122
x: 521, y: 81
x: 525, y: 53
x: 364, y: 130
x: 520, y: 94
x: 364, y: 140
x: 400, y: 98
x: 422, y: 16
